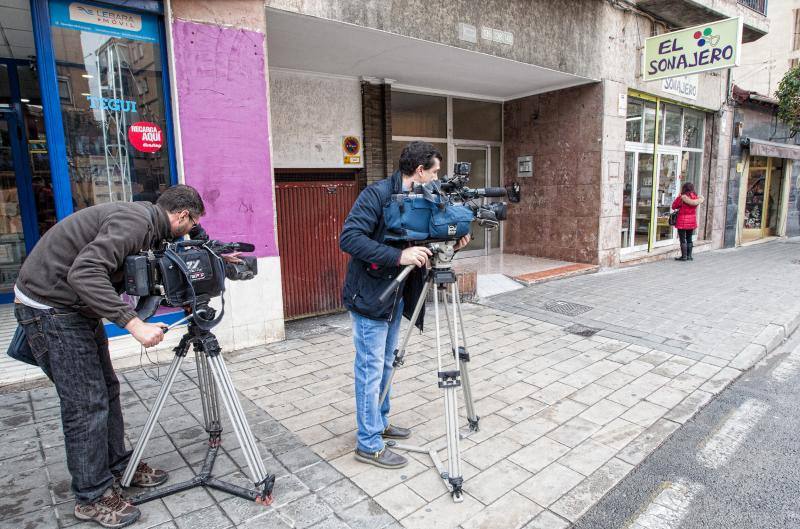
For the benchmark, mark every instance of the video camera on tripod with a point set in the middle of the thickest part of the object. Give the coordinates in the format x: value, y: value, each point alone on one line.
x: 186, y: 273
x: 444, y: 209
x: 189, y: 273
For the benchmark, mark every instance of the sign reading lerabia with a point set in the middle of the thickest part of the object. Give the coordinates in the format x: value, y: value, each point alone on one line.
x: 711, y: 46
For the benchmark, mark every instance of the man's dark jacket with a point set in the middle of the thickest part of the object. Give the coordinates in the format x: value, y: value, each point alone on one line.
x: 373, y: 263
x: 79, y: 262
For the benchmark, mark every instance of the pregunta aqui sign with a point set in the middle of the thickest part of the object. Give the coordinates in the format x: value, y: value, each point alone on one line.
x: 711, y: 46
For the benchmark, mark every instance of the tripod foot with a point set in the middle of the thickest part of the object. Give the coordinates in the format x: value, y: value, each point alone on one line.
x: 473, y: 423
x: 456, y: 484
x: 264, y: 491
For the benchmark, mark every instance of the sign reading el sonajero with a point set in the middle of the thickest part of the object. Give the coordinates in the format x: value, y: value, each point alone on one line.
x: 711, y: 46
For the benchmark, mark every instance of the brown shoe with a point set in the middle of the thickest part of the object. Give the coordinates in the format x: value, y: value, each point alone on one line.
x: 109, y: 510
x: 145, y: 476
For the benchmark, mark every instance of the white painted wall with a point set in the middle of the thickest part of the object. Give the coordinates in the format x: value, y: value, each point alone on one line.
x: 310, y: 114
x: 765, y: 61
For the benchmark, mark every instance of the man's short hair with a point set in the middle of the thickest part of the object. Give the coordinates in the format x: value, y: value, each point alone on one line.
x: 179, y: 197
x: 418, y: 153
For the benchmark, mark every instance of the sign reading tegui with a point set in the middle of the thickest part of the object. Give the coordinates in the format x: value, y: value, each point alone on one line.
x: 712, y: 46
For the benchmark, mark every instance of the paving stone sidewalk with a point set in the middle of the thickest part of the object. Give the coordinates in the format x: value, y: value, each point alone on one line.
x: 564, y: 417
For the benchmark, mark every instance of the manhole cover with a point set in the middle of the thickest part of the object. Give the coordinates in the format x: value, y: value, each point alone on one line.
x: 582, y: 330
x: 566, y: 308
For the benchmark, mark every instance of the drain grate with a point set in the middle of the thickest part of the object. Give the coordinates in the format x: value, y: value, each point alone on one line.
x: 581, y: 330
x: 566, y: 308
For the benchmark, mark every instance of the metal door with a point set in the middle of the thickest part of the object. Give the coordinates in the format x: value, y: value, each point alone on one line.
x: 310, y: 219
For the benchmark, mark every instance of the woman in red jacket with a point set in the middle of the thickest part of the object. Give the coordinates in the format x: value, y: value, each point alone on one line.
x: 686, y: 204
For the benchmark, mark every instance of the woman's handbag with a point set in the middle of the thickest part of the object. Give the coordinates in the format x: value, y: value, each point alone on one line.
x: 673, y: 217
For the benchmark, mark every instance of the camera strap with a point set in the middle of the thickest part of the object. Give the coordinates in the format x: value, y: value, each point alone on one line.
x: 201, y: 322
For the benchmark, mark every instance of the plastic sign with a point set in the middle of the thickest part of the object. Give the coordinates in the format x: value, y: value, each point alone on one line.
x: 145, y: 136
x: 351, y: 149
x: 97, y: 18
x: 712, y: 46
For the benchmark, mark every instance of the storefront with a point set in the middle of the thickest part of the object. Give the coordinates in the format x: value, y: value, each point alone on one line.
x: 664, y: 148
x: 85, y: 115
x: 764, y: 172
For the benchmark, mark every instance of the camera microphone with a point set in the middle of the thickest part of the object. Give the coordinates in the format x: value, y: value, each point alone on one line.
x: 243, y: 247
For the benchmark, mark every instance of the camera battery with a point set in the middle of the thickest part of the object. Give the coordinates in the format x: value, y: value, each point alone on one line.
x: 136, y: 275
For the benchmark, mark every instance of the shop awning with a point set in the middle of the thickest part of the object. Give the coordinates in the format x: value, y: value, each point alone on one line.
x: 311, y: 44
x: 771, y: 148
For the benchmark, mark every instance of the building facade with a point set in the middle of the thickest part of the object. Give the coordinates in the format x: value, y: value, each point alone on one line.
x: 110, y: 101
x: 280, y: 111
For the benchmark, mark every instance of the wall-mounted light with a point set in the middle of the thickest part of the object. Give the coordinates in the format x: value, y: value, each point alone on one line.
x: 86, y: 76
x: 25, y: 100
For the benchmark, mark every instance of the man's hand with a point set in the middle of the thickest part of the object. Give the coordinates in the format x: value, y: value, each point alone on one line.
x: 463, y: 241
x: 415, y: 255
x: 232, y: 257
x: 147, y: 334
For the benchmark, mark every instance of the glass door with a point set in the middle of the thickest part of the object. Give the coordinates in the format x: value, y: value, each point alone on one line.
x: 12, y: 234
x: 479, y: 177
x: 667, y: 189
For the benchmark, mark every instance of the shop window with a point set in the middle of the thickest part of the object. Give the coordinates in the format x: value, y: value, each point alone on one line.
x: 419, y: 115
x: 5, y: 87
x: 649, y: 123
x: 654, y: 173
x: 633, y: 122
x: 671, y: 125
x: 691, y: 168
x: 693, y: 129
x: 477, y: 120
x: 115, y: 140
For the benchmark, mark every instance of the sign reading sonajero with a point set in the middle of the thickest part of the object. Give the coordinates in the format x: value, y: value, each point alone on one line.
x: 712, y: 46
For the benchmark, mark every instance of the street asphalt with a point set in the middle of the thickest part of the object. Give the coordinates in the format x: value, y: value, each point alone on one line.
x: 733, y: 466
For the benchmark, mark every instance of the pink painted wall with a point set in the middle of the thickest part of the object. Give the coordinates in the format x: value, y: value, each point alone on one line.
x: 222, y: 95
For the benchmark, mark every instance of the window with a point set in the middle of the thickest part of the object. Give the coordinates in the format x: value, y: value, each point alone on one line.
x: 796, y: 36
x: 419, y: 115
x: 477, y: 120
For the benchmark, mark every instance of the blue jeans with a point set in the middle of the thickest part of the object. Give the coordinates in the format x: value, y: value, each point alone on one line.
x: 375, y: 342
x: 72, y: 350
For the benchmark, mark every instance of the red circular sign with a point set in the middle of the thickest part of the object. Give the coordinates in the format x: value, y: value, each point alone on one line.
x: 145, y: 136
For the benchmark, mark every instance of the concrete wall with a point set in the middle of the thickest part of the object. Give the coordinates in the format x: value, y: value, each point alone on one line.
x: 223, y: 115
x: 310, y: 114
x: 559, y: 35
x: 560, y: 207
x: 765, y: 61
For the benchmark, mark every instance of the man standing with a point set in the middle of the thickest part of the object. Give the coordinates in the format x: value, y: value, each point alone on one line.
x: 71, y: 280
x: 376, y: 326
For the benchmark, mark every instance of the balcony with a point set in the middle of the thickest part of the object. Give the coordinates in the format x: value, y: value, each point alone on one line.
x: 686, y: 13
x: 759, y: 6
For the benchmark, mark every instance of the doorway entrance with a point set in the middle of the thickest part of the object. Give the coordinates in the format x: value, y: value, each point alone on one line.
x: 27, y: 206
x: 485, y: 173
x: 762, y: 198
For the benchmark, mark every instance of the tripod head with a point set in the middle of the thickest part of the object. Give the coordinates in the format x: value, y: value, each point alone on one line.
x: 441, y: 260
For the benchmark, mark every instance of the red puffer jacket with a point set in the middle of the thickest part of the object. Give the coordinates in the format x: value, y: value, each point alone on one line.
x: 687, y: 215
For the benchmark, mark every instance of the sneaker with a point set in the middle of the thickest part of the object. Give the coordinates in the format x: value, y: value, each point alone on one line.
x: 109, y: 510
x: 145, y: 476
x: 395, y: 432
x: 384, y: 458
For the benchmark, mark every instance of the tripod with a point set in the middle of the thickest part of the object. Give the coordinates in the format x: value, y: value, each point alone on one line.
x: 441, y: 276
x: 209, y: 364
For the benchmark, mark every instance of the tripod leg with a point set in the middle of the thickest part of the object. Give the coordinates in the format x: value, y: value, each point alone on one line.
x: 241, y: 428
x: 463, y: 361
x: 208, y: 394
x: 400, y: 354
x: 147, y: 430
